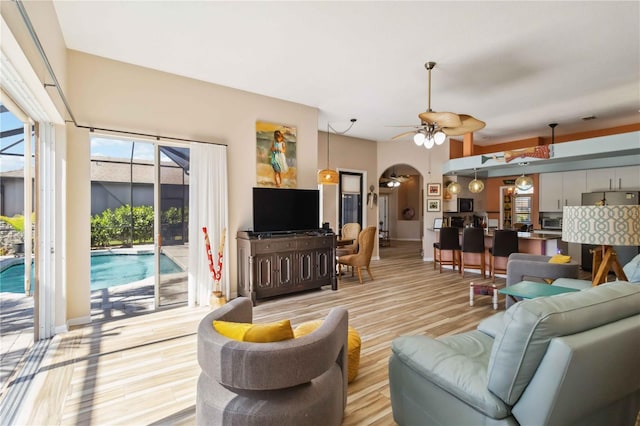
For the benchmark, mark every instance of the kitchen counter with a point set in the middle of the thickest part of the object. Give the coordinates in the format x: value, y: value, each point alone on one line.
x: 537, y: 242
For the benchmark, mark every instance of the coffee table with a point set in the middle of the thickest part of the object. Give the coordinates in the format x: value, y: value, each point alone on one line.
x: 532, y: 289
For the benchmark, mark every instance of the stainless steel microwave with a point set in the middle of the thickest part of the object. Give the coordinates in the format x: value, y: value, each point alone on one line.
x: 465, y: 205
x: 552, y: 223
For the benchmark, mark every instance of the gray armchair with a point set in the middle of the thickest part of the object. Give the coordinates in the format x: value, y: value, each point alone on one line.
x: 300, y: 381
x: 523, y: 266
x: 569, y: 359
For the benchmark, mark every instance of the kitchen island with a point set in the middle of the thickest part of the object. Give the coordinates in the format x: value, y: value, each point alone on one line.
x: 537, y: 242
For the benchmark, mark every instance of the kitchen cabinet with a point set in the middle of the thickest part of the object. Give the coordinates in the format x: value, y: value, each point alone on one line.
x: 560, y: 189
x: 271, y: 266
x: 613, y: 179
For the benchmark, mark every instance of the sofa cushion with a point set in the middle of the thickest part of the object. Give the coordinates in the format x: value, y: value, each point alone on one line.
x: 632, y: 270
x: 531, y: 324
x: 257, y: 333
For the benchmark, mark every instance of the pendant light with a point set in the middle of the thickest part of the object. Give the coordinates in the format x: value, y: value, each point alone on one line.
x: 476, y: 185
x: 454, y: 188
x: 329, y: 176
x: 524, y: 183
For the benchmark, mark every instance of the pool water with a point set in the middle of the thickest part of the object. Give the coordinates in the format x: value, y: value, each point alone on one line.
x: 106, y: 271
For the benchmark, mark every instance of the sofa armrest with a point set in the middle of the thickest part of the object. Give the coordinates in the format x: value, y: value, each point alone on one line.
x: 463, y: 375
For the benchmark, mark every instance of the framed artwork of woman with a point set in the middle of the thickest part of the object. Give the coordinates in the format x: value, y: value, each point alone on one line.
x: 276, y: 155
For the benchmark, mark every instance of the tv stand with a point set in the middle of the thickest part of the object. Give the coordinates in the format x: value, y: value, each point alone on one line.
x: 271, y: 264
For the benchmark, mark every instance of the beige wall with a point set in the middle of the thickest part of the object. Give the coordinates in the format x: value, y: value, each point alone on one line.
x: 111, y: 94
x: 348, y: 154
x: 426, y: 161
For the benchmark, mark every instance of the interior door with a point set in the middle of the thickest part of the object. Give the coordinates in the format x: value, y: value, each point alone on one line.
x: 171, y: 224
x: 351, y: 192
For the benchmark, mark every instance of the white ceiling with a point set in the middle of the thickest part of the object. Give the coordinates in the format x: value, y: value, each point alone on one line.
x: 518, y: 66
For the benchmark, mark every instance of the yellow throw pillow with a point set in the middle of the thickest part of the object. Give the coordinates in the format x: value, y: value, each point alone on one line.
x: 256, y: 333
x: 560, y: 258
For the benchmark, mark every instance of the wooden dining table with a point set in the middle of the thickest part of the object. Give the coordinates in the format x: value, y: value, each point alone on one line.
x: 344, y: 242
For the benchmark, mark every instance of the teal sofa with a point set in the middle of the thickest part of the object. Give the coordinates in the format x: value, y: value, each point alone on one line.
x: 570, y: 359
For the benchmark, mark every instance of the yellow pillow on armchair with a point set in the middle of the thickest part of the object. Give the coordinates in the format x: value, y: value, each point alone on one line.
x: 257, y: 333
x: 560, y: 258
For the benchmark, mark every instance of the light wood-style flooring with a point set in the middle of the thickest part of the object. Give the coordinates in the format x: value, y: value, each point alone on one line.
x: 142, y: 369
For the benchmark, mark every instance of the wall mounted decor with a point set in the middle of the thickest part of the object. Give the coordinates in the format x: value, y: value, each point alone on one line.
x: 433, y: 189
x: 276, y: 148
x: 433, y: 205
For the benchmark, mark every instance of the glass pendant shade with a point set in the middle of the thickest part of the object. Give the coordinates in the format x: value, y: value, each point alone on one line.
x: 428, y: 142
x: 439, y: 137
x: 524, y: 183
x: 328, y: 177
x: 454, y: 188
x: 418, y: 138
x: 476, y: 186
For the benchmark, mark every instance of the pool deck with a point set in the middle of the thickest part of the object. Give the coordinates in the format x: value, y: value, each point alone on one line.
x: 117, y: 302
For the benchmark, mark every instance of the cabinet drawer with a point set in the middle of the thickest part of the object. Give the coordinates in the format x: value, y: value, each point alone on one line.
x: 313, y: 243
x: 274, y: 246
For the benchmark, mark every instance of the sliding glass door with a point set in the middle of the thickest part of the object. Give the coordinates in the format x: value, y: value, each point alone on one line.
x: 172, y: 224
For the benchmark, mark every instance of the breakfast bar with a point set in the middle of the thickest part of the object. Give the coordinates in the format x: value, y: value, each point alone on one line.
x: 528, y: 242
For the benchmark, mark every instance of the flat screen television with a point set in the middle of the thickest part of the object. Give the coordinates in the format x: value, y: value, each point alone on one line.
x: 285, y: 210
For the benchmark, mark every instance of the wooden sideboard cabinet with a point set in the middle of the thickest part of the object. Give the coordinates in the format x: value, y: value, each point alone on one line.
x: 274, y: 265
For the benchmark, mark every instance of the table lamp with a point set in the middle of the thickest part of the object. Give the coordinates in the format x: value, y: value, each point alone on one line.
x: 605, y: 226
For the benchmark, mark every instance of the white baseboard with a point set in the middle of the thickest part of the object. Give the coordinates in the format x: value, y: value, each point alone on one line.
x: 61, y: 329
x: 79, y: 321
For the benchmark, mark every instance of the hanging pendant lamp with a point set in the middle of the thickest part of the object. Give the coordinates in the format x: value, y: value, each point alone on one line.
x: 476, y: 185
x: 454, y: 188
x: 329, y: 176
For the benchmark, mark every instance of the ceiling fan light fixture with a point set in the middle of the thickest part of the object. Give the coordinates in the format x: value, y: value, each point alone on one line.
x: 429, y: 142
x: 439, y: 137
x: 524, y: 183
x: 454, y: 188
x: 419, y: 138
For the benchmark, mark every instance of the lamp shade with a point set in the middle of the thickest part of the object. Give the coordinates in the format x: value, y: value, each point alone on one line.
x: 454, y: 188
x: 328, y: 177
x: 476, y: 186
x: 602, y: 225
x: 524, y: 183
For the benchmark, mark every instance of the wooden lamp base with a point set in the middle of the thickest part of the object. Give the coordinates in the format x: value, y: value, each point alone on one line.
x: 605, y: 259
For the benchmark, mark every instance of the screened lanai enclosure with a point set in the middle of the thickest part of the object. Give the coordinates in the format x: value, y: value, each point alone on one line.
x: 139, y: 208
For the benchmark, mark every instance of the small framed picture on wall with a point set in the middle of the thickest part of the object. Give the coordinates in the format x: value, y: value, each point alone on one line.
x: 433, y: 189
x: 433, y: 205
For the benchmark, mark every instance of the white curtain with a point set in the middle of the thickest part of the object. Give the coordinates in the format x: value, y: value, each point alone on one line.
x: 208, y: 206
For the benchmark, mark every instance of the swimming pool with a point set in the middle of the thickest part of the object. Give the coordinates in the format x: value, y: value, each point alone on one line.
x: 107, y: 270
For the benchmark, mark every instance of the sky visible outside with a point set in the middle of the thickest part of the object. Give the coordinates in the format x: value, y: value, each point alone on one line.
x: 100, y: 147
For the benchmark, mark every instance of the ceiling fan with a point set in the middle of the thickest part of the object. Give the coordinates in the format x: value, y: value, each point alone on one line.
x: 394, y: 180
x: 436, y: 126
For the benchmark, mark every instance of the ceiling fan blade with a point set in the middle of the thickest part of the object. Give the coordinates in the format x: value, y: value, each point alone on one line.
x: 442, y: 119
x: 403, y: 134
x: 469, y: 124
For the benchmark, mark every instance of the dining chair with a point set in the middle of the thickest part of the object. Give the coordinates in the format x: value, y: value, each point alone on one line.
x: 504, y: 243
x: 473, y: 244
x: 350, y: 231
x: 362, y: 259
x: 449, y: 241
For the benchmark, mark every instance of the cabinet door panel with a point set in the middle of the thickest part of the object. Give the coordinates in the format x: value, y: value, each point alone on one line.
x: 324, y: 265
x: 284, y: 270
x: 600, y: 180
x: 550, y: 192
x: 305, y: 266
x: 264, y: 271
x: 628, y: 178
x: 573, y: 185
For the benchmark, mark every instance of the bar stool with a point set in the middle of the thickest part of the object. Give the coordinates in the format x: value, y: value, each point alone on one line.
x: 473, y: 243
x: 449, y: 241
x: 505, y: 242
